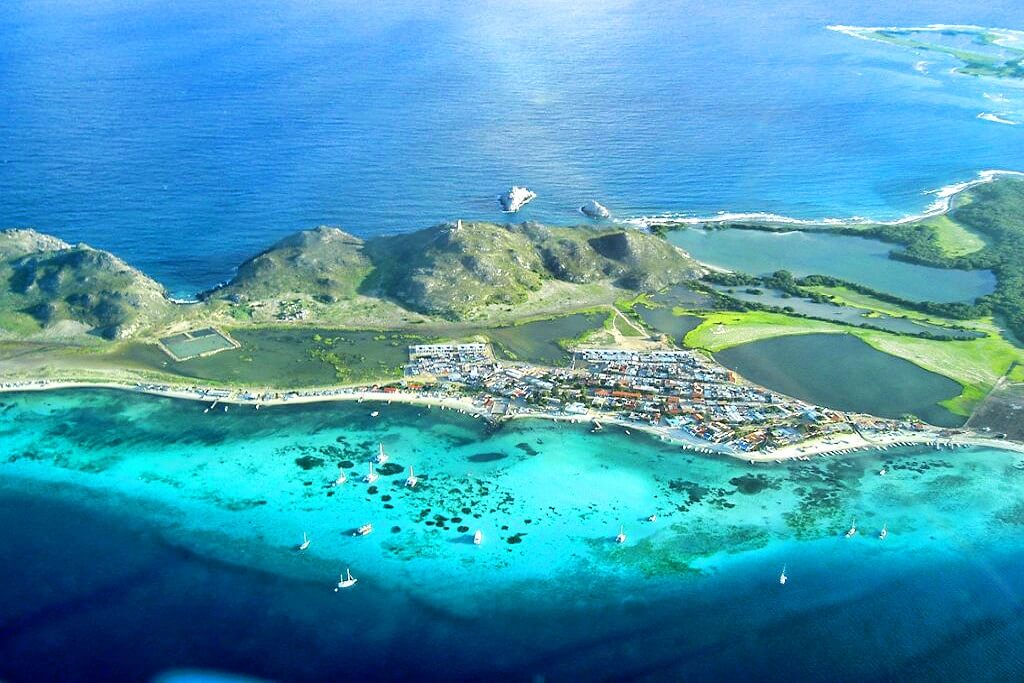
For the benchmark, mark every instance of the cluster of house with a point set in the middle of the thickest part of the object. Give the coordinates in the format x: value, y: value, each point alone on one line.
x: 680, y: 390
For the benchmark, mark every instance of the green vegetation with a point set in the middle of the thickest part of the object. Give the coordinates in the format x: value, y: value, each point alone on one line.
x: 81, y: 289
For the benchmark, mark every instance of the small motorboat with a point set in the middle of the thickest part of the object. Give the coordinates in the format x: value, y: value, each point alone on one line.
x: 382, y: 457
x: 882, y: 472
x: 375, y: 413
x: 653, y: 518
x: 346, y: 580
x: 412, y: 479
x: 621, y: 538
x: 305, y: 541
x: 884, y: 532
x: 371, y: 476
x: 782, y: 577
x: 363, y: 530
x: 478, y: 537
x: 852, y: 531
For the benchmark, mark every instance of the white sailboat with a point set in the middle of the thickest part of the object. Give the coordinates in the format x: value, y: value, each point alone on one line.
x: 382, y: 457
x: 478, y: 537
x: 653, y: 518
x: 782, y: 577
x: 412, y: 479
x: 884, y: 532
x: 341, y: 477
x: 852, y: 531
x: 305, y: 541
x: 346, y: 580
x: 621, y: 538
x: 371, y: 476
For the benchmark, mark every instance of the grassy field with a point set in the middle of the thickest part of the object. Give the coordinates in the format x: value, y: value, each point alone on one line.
x: 723, y: 330
x: 953, y: 238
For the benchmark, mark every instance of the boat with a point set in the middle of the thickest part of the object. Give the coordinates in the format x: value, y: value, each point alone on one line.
x: 882, y: 472
x: 653, y: 518
x: 375, y: 413
x: 516, y: 198
x: 346, y: 581
x: 341, y: 477
x: 363, y: 530
x: 884, y: 532
x: 478, y: 537
x: 852, y: 531
x: 782, y: 577
x: 412, y: 479
x: 382, y: 457
x: 305, y: 541
x: 371, y: 476
x: 621, y: 538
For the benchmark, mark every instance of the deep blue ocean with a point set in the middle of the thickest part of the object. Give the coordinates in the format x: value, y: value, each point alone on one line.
x: 187, y: 136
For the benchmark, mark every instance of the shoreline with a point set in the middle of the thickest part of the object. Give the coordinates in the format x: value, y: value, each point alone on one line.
x: 940, y: 206
x: 844, y: 445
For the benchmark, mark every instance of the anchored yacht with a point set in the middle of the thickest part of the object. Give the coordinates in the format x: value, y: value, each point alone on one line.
x: 382, y: 457
x: 305, y: 541
x: 782, y: 577
x: 478, y: 537
x: 363, y: 530
x: 371, y: 476
x: 884, y: 532
x: 412, y: 479
x: 621, y: 538
x: 852, y: 531
x: 346, y: 580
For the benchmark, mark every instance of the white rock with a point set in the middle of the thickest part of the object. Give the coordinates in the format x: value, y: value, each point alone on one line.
x: 594, y: 209
x: 515, y: 199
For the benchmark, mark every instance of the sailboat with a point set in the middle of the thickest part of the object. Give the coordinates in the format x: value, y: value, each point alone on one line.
x: 653, y: 518
x: 882, y: 472
x: 478, y: 537
x: 341, y: 477
x: 621, y: 538
x: 884, y: 532
x: 382, y: 457
x: 346, y: 581
x: 782, y: 577
x: 412, y: 479
x: 305, y: 541
x: 371, y: 476
x: 852, y: 531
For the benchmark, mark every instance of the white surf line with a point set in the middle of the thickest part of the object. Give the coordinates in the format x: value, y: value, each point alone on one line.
x: 941, y: 205
x: 996, y: 118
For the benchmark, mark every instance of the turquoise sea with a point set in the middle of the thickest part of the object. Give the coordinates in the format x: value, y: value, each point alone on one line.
x: 144, y: 536
x: 188, y: 136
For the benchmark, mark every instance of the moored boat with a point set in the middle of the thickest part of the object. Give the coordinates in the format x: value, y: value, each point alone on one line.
x: 782, y: 577
x: 884, y: 532
x: 382, y: 457
x: 363, y: 530
x: 621, y: 538
x: 852, y: 531
x: 305, y: 541
x: 346, y: 580
x: 371, y: 476
x: 478, y: 537
x: 412, y: 479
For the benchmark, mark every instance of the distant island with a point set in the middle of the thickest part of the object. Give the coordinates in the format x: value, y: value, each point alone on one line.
x: 323, y: 313
x: 994, y: 52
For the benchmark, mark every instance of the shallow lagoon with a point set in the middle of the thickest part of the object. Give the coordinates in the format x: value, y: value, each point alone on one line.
x: 841, y: 371
x: 857, y: 259
x: 203, y: 572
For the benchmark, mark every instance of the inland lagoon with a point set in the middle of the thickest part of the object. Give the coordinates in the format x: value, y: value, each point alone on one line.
x: 167, y: 535
x: 843, y: 372
x: 857, y: 259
